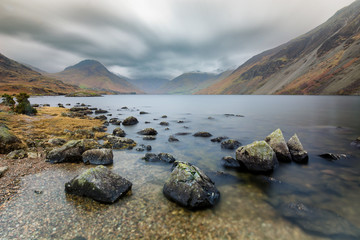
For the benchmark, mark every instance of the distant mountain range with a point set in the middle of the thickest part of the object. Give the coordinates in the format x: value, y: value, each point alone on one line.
x: 189, y: 83
x: 16, y: 78
x: 92, y: 74
x: 325, y: 60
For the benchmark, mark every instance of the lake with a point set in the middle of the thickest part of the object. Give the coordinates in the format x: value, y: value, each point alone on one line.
x: 251, y: 205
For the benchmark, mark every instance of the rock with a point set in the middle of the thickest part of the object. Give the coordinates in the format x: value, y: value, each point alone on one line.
x: 166, y: 157
x: 119, y: 132
x: 142, y: 112
x: 151, y: 157
x: 163, y: 116
x: 148, y: 148
x: 167, y: 129
x: 120, y: 142
x: 356, y: 143
x: 230, y: 144
x: 229, y: 115
x: 142, y: 148
x: 298, y: 154
x: 8, y: 141
x: 130, y: 121
x: 57, y: 141
x: 125, y: 108
x: 60, y: 105
x: 69, y: 152
x: 277, y: 143
x: 319, y: 221
x: 149, y: 138
x: 99, y: 129
x: 333, y: 156
x: 147, y: 122
x: 78, y: 109
x: 100, y: 184
x: 257, y: 157
x: 101, y: 117
x: 180, y: 121
x: 33, y: 155
x: 173, y: 139
x: 90, y: 144
x: 218, y: 139
x: 182, y: 133
x: 101, y: 111
x: 230, y: 162
x: 3, y: 170
x: 202, y: 134
x: 148, y: 131
x: 98, y: 156
x: 211, y: 118
x: 189, y: 187
x: 115, y: 121
x: 17, y: 154
x: 164, y: 124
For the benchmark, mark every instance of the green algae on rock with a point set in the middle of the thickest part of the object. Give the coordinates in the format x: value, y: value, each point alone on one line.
x: 190, y: 187
x: 257, y: 157
x: 100, y: 184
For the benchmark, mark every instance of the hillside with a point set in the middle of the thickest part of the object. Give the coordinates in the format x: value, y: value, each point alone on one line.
x: 149, y: 84
x: 92, y: 74
x: 189, y: 83
x: 325, y: 60
x: 16, y: 78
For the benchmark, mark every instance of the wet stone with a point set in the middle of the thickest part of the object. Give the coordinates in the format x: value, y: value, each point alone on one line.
x: 130, y: 121
x: 230, y: 162
x: 98, y: 156
x: 164, y: 124
x: 202, y: 134
x: 173, y: 139
x: 219, y: 139
x: 148, y: 131
x: 277, y: 142
x: 230, y: 144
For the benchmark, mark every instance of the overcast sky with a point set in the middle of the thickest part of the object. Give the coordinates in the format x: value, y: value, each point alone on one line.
x: 153, y: 37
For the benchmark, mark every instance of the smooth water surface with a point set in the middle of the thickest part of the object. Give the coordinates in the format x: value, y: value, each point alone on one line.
x: 251, y: 206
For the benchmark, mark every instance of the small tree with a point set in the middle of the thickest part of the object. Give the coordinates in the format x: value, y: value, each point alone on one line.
x: 23, y: 106
x: 8, y: 101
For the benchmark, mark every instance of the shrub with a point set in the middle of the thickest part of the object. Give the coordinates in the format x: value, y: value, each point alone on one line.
x: 23, y: 106
x: 8, y: 100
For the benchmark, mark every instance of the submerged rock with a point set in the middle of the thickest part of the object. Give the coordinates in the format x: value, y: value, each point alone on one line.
x: 143, y: 147
x: 173, y: 139
x: 148, y: 131
x: 319, y: 221
x: 202, y: 134
x: 189, y: 187
x: 219, y: 139
x: 257, y: 157
x: 164, y: 157
x: 333, y: 156
x: 119, y: 132
x: 230, y: 162
x: 130, y: 121
x: 230, y: 144
x: 8, y: 141
x: 298, y: 154
x: 164, y: 123
x: 100, y: 184
x: 119, y: 142
x: 149, y: 138
x: 277, y: 143
x: 98, y: 156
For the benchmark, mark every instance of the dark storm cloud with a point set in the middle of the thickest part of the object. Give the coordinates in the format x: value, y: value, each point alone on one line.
x: 153, y: 38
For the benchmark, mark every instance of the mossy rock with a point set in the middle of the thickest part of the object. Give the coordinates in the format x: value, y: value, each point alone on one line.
x: 277, y: 143
x: 8, y: 141
x: 100, y: 184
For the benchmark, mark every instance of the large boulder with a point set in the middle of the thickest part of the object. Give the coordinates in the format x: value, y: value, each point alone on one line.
x: 8, y: 141
x: 119, y: 132
x: 148, y: 131
x: 297, y: 151
x: 230, y: 144
x: 70, y: 152
x: 189, y: 187
x: 277, y: 143
x: 119, y: 142
x: 98, y: 156
x: 100, y: 184
x: 257, y: 157
x: 130, y: 121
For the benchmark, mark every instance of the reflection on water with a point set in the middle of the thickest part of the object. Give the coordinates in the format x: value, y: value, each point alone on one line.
x: 251, y: 206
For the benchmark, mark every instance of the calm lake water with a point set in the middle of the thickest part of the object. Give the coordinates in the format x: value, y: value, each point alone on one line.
x: 251, y: 206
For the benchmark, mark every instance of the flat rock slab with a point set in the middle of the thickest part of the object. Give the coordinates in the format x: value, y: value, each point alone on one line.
x: 100, y: 184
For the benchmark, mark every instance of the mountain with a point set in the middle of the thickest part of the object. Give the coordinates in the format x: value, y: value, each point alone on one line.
x: 189, y: 83
x: 16, y: 78
x: 150, y: 84
x: 92, y: 74
x: 325, y: 60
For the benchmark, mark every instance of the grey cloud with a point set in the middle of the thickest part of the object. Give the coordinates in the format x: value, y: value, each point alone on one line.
x: 166, y: 39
